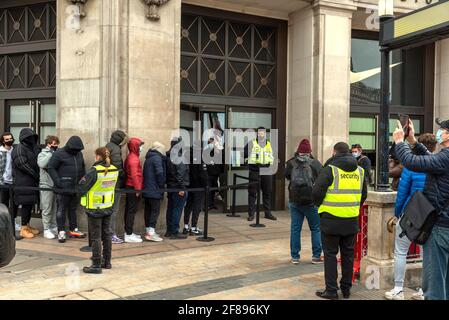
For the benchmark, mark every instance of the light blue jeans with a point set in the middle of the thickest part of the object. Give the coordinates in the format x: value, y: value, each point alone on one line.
x: 401, y: 248
x: 298, y: 213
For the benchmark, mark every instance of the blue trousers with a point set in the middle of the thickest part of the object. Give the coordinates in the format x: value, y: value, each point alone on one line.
x: 175, y: 207
x: 436, y: 265
x: 298, y: 213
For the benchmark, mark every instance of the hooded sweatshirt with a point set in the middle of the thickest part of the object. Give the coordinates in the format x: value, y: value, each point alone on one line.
x: 66, y: 167
x: 118, y: 139
x: 133, y: 167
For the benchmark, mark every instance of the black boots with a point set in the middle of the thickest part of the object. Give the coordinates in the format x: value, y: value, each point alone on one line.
x: 327, y: 295
x: 93, y: 269
x: 106, y: 264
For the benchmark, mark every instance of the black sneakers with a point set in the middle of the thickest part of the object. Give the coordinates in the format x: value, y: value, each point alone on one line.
x: 185, y: 231
x: 270, y: 217
x: 196, y: 232
x: 251, y: 218
x: 178, y: 236
x: 93, y: 269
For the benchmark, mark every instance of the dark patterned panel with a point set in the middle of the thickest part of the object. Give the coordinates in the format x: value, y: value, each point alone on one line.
x: 2, y: 72
x: 15, y: 24
x: 2, y: 27
x: 224, y: 58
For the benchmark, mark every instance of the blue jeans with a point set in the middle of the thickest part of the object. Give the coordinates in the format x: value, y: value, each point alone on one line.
x: 298, y: 213
x: 175, y: 207
x: 436, y: 265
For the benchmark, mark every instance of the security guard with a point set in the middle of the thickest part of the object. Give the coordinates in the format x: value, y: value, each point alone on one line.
x: 339, y: 192
x: 259, y: 154
x: 98, y: 189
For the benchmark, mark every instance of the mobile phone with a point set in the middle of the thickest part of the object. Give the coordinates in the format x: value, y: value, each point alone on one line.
x: 404, y: 119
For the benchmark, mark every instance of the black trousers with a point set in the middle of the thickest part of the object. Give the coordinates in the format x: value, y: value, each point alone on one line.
x: 66, y: 203
x: 26, y: 214
x: 131, y: 206
x: 100, y: 232
x: 7, y: 201
x: 266, y: 185
x: 213, y: 183
x: 152, y: 211
x: 331, y: 245
x: 193, y: 208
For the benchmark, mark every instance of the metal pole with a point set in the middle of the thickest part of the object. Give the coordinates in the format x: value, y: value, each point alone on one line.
x: 205, y: 237
x: 234, y: 195
x: 258, y: 224
x: 383, y: 131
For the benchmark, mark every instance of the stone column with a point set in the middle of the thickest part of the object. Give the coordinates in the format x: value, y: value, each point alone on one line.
x: 377, y: 267
x: 319, y: 89
x: 442, y: 79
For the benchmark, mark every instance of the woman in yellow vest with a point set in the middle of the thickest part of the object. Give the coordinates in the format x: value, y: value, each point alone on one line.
x: 98, y: 189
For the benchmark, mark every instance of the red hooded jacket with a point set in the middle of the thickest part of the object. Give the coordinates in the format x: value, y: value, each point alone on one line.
x: 133, y: 168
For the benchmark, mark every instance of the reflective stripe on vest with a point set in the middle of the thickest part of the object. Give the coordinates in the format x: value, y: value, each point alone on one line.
x: 261, y: 155
x: 343, y: 197
x: 101, y: 195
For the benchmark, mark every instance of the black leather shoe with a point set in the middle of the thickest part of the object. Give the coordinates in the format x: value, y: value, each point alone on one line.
x: 92, y: 269
x: 324, y: 294
x: 106, y: 265
x: 251, y: 218
x: 346, y: 294
x: 178, y: 236
x: 270, y: 217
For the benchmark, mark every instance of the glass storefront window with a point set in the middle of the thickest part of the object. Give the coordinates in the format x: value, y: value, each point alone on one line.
x: 251, y: 120
x: 20, y: 114
x: 48, y: 113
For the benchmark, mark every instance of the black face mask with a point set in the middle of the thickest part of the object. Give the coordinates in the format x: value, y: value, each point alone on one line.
x: 54, y: 148
x: 9, y: 143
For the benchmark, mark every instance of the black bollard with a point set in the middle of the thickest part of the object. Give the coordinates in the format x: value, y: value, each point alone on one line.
x: 234, y: 195
x: 258, y: 224
x: 205, y: 237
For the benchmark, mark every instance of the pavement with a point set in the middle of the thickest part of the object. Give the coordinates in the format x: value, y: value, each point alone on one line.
x: 243, y: 263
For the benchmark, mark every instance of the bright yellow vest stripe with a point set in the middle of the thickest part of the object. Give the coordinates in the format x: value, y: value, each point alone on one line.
x: 101, y: 195
x: 344, y: 196
x: 259, y: 155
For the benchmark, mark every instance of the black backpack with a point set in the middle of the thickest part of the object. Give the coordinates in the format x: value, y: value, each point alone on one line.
x: 7, y: 239
x: 301, y: 182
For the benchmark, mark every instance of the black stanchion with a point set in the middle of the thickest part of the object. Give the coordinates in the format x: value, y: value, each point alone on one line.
x: 234, y: 195
x: 258, y: 224
x: 205, y: 237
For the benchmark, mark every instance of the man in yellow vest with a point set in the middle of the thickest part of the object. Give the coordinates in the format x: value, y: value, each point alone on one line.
x: 259, y: 154
x: 339, y: 192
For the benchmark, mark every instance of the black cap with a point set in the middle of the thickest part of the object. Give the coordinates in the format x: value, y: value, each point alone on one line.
x: 356, y: 146
x: 443, y: 124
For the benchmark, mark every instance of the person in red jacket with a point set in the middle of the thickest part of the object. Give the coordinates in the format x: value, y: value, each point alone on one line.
x: 134, y: 181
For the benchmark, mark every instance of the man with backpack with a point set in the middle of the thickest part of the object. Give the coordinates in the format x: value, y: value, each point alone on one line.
x: 302, y: 171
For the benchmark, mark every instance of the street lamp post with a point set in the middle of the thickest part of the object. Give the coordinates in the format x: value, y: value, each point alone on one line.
x: 386, y: 8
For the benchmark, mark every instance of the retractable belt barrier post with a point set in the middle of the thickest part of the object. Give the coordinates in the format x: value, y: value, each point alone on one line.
x: 205, y: 237
x: 258, y: 224
x: 234, y: 195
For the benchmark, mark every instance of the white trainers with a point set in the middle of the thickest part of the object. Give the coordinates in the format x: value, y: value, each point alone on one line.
x: 394, y: 295
x: 419, y: 295
x: 154, y: 237
x: 134, y: 238
x: 62, y: 237
x: 48, y: 234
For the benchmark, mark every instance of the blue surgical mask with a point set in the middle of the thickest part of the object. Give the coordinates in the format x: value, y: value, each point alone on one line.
x: 439, y: 136
x: 356, y: 154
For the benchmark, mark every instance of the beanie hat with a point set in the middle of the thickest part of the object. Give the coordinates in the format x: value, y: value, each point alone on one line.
x: 443, y: 124
x: 304, y: 147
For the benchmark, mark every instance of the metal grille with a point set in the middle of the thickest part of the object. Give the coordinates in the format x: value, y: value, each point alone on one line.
x: 27, y: 47
x: 225, y: 58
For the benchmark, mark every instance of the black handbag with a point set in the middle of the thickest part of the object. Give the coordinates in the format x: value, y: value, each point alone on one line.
x: 418, y: 219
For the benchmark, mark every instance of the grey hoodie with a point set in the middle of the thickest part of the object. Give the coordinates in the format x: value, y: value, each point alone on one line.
x: 44, y: 157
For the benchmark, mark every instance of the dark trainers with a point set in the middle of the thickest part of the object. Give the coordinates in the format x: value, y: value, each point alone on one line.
x: 106, y: 265
x: 270, y: 217
x: 185, y: 231
x: 92, y: 269
x: 251, y: 218
x: 319, y: 260
x: 346, y: 294
x: 178, y: 236
x: 196, y: 232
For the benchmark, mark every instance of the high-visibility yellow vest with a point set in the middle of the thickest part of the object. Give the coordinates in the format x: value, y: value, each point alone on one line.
x: 343, y: 197
x: 101, y: 195
x: 259, y: 155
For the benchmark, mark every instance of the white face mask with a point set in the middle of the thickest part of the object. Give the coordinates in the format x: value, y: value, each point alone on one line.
x: 141, y: 149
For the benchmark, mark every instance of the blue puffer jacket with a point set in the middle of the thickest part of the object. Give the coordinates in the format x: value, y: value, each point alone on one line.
x: 410, y: 183
x: 437, y: 168
x: 154, y: 172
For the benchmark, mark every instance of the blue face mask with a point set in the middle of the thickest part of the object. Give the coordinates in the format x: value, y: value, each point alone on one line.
x: 439, y: 136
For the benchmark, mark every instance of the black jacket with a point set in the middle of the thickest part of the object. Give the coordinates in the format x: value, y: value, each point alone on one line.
x: 7, y: 239
x: 25, y: 168
x: 316, y: 168
x: 437, y: 168
x: 154, y: 174
x: 177, y: 174
x: 117, y: 140
x: 86, y: 183
x: 198, y: 172
x: 66, y: 166
x: 365, y: 163
x: 329, y: 223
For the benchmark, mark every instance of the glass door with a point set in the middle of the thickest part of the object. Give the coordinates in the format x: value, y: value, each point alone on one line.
x: 37, y: 114
x: 244, y: 119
